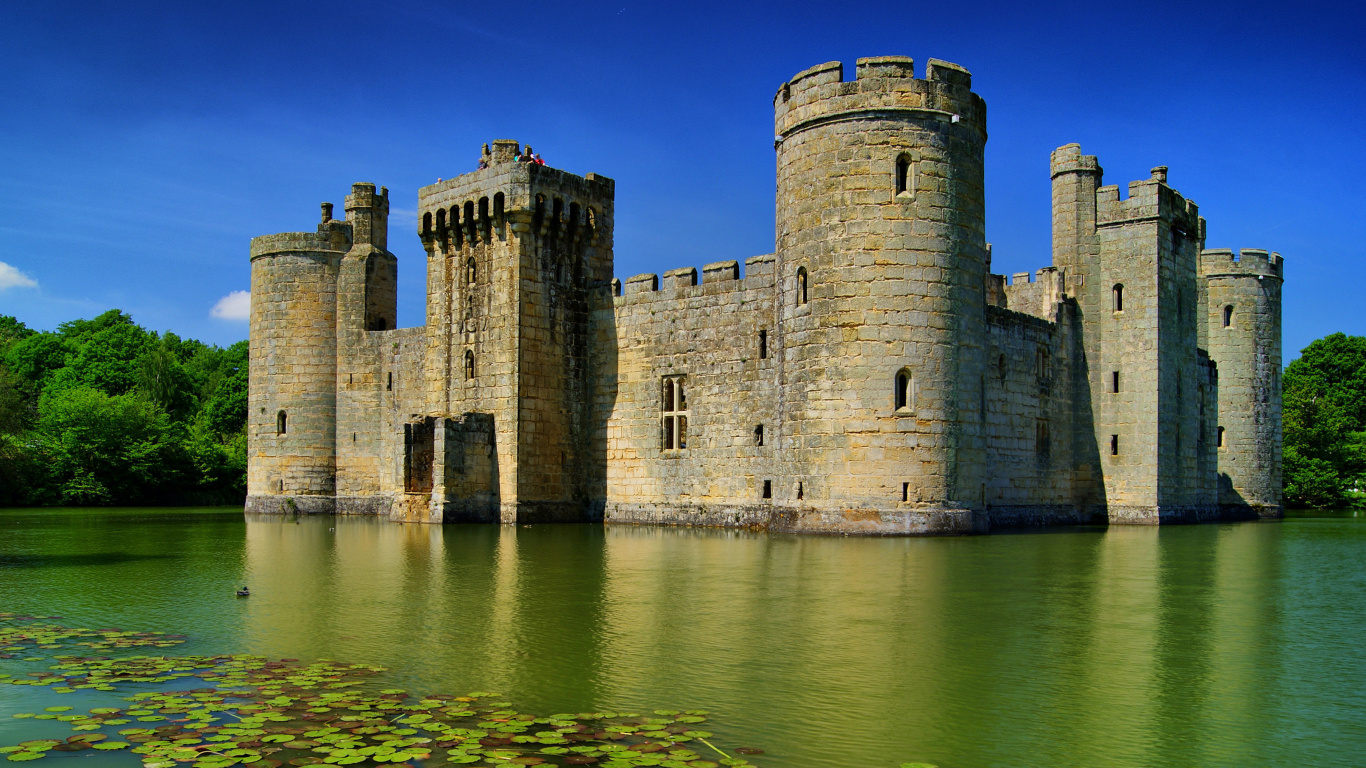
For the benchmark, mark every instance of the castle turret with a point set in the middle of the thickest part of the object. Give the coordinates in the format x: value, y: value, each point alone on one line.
x: 1243, y: 327
x: 881, y: 261
x: 291, y: 425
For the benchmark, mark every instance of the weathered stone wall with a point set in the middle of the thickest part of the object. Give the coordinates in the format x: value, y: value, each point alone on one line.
x: 705, y: 337
x: 1247, y: 347
x: 880, y: 214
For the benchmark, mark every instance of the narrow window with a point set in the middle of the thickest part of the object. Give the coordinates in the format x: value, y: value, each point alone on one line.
x: 1228, y: 316
x: 1118, y: 293
x: 1041, y: 438
x: 427, y: 224
x: 768, y: 489
x: 903, y: 173
x: 759, y: 435
x: 674, y: 414
x: 800, y: 490
x: 281, y: 423
x: 390, y: 386
x: 1114, y: 381
x: 470, y: 272
x: 801, y: 285
x: 350, y: 378
x: 1114, y: 445
x: 1220, y: 438
x: 469, y: 365
x: 905, y: 491
x: 763, y: 345
x: 1042, y: 363
x: 1001, y: 367
x: 902, y: 390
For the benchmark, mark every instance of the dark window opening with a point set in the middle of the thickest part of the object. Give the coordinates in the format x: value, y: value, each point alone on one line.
x: 763, y: 345
x: 905, y: 491
x: 469, y: 365
x: 426, y: 224
x: 1118, y: 294
x: 902, y: 390
x: 281, y: 423
x: 379, y: 324
x: 1114, y: 381
x: 1228, y: 316
x: 1041, y: 437
x: 390, y: 385
x: 1043, y: 363
x: 759, y: 435
x: 418, y: 452
x: 903, y: 173
x: 800, y: 490
x: 768, y: 489
x: 1220, y: 438
x: 801, y: 285
x: 1114, y: 445
x: 471, y: 272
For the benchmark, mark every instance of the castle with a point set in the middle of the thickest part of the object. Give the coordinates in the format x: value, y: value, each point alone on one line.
x: 869, y: 376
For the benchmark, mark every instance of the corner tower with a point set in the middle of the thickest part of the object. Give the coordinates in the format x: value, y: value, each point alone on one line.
x: 1242, y: 297
x: 881, y: 259
x: 292, y: 401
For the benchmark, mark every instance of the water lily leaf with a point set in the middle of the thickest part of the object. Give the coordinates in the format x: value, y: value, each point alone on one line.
x: 19, y: 757
x: 113, y: 745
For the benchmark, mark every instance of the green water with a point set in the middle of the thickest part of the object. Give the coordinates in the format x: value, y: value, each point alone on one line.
x: 1214, y: 645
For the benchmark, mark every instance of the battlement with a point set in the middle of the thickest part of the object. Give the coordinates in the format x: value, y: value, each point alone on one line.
x: 1225, y: 262
x: 515, y: 196
x: 1069, y: 159
x: 882, y: 84
x: 1149, y: 199
x: 719, y: 276
x: 332, y: 236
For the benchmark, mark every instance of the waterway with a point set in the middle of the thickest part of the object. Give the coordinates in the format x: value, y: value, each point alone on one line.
x: 1212, y: 645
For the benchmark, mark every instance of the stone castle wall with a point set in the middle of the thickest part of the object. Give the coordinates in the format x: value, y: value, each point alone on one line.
x: 871, y: 376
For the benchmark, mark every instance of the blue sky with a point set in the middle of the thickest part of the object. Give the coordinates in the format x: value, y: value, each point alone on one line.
x: 143, y: 145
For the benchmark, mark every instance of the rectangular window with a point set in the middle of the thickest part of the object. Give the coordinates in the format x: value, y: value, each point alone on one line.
x: 768, y: 489
x: 905, y: 491
x: 1043, y: 364
x: 1114, y: 445
x: 674, y: 414
x: 1041, y: 438
x: 1114, y: 381
x: 763, y: 345
x: 1220, y: 438
x: 759, y: 435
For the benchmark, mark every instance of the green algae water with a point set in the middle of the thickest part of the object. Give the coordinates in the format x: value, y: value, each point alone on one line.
x: 1214, y: 645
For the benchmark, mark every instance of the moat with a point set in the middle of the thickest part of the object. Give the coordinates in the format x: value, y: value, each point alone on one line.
x: 1228, y: 644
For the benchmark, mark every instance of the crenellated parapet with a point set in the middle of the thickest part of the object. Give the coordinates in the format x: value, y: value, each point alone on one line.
x: 1254, y: 262
x: 884, y: 86
x: 716, y: 278
x: 1149, y: 199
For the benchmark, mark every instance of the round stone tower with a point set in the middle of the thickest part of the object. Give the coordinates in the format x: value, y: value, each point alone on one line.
x: 291, y: 420
x: 1243, y: 299
x: 881, y: 261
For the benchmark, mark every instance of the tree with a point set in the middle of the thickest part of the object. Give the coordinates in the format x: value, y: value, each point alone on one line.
x: 1324, y: 420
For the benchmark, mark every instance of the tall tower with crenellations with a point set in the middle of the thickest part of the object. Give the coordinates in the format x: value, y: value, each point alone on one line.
x: 881, y: 260
x: 1242, y: 327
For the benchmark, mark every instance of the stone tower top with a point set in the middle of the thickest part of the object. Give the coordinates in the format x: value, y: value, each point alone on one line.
x: 1251, y: 262
x: 885, y: 84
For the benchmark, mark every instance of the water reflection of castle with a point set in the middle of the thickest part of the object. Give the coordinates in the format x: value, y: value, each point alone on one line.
x: 869, y: 376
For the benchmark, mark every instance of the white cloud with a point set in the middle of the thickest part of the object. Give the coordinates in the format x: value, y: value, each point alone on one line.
x: 234, y: 306
x: 13, y: 278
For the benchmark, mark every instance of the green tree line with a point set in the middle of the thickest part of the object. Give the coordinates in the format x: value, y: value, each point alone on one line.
x: 1324, y: 420
x: 104, y: 411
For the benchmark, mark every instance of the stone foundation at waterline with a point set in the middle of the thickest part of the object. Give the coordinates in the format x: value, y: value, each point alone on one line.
x: 871, y: 376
